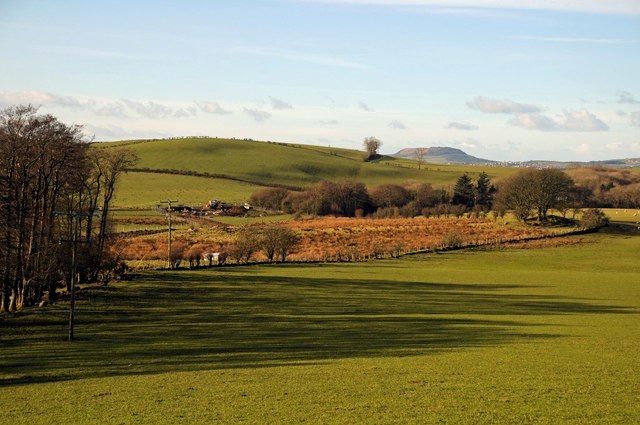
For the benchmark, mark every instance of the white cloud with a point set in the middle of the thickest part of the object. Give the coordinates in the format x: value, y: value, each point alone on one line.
x: 613, y: 146
x: 189, y: 111
x: 626, y: 97
x: 586, y: 6
x: 534, y: 121
x: 149, y: 109
x: 581, y: 121
x: 501, y: 106
x: 634, y: 118
x: 113, y: 132
x: 41, y: 98
x: 258, y: 115
x: 461, y: 126
x: 397, y: 125
x: 279, y: 103
x: 109, y: 109
x: 212, y: 108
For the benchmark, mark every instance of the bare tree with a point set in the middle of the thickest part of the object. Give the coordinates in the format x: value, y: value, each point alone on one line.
x: 107, y: 164
x: 371, y: 146
x: 278, y: 241
x: 420, y: 153
x: 48, y: 175
x: 41, y: 161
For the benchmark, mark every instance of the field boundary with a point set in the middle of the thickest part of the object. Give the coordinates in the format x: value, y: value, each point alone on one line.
x: 210, y: 176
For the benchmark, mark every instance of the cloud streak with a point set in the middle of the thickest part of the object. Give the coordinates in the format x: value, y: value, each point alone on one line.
x: 585, y: 40
x: 626, y: 97
x: 364, y: 107
x: 257, y: 114
x: 397, y: 125
x: 148, y: 109
x: 530, y: 117
x: 41, y: 98
x: 212, y: 108
x: 501, y: 106
x: 461, y: 126
x: 279, y: 104
x: 608, y: 7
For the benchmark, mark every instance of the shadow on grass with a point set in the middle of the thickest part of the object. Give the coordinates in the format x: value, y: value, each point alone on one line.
x: 166, y: 322
x: 621, y: 228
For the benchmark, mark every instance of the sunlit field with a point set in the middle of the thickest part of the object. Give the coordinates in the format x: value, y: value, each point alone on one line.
x: 502, y: 336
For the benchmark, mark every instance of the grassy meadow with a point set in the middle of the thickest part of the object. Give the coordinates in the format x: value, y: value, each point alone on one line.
x: 542, y: 336
x: 288, y: 164
x: 146, y: 190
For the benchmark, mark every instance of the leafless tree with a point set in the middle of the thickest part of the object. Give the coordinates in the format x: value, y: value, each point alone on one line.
x: 278, y: 241
x: 50, y: 180
x: 41, y: 161
x: 420, y: 153
x: 371, y: 146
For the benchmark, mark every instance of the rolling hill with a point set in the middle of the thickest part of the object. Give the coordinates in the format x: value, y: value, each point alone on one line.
x: 230, y: 169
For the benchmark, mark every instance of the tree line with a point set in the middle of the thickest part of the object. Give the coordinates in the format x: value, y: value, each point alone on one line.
x: 55, y: 191
x: 351, y: 198
x: 529, y: 193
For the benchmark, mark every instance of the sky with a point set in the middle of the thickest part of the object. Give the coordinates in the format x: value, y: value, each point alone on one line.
x: 500, y: 79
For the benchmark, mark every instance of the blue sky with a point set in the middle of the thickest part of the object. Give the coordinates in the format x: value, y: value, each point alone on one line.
x: 500, y: 79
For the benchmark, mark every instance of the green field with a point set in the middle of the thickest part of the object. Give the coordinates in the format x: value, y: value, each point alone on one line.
x: 146, y: 190
x: 288, y: 164
x: 542, y: 336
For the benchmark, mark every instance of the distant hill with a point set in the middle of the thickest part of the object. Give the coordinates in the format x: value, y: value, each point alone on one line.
x: 447, y: 155
x: 610, y: 163
x: 443, y: 155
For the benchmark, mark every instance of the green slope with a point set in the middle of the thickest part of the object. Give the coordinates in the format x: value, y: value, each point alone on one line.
x: 145, y: 190
x: 269, y: 163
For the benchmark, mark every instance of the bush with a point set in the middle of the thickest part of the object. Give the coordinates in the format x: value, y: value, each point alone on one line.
x: 278, y: 242
x: 269, y: 197
x: 390, y: 195
x: 594, y: 218
x: 453, y: 239
x: 247, y: 243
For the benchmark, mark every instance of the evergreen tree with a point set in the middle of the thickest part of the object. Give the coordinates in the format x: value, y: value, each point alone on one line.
x: 484, y: 191
x: 463, y: 191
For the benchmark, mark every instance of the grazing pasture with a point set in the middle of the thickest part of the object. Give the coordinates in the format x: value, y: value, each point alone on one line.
x: 287, y: 164
x: 542, y: 336
x: 146, y: 190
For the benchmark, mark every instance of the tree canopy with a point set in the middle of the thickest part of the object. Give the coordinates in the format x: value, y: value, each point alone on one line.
x: 536, y: 190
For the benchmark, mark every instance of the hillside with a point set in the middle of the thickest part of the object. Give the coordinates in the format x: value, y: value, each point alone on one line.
x: 216, y: 165
x: 443, y: 155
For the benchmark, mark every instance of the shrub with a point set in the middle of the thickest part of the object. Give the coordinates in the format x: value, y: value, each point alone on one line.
x: 453, y: 239
x: 390, y: 195
x: 594, y: 218
x: 278, y: 241
x: 269, y: 197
